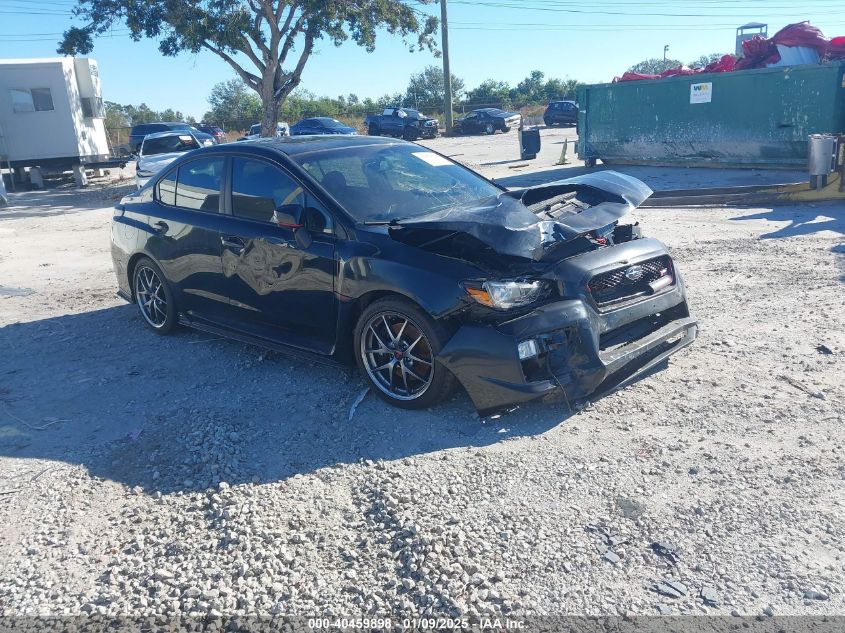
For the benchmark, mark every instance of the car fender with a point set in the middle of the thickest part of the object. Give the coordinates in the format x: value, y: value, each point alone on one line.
x: 439, y: 294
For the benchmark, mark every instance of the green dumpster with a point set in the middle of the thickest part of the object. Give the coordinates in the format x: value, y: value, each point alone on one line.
x: 759, y: 118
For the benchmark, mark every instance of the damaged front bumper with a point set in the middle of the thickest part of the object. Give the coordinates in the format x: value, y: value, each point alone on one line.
x: 582, y: 350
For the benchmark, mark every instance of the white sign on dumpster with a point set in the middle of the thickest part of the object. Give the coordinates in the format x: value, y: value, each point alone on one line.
x: 701, y: 93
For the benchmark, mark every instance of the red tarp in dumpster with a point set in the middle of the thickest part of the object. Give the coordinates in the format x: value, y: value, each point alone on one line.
x: 836, y: 48
x: 759, y: 52
x: 725, y: 64
x: 801, y: 34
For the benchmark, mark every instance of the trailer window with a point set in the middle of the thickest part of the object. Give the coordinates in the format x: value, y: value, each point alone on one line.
x: 35, y: 100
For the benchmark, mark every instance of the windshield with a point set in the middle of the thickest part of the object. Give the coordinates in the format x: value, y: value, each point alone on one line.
x: 168, y: 144
x: 255, y: 129
x: 380, y: 183
x: 329, y: 123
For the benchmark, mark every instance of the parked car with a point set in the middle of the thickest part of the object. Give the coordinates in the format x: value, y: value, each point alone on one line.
x: 218, y: 134
x: 160, y: 149
x: 421, y: 271
x: 401, y: 123
x: 282, y: 129
x: 138, y: 132
x: 486, y: 121
x: 320, y: 125
x: 204, y: 139
x: 561, y: 113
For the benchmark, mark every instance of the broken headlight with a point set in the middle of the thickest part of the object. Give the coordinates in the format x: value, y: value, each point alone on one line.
x: 508, y: 294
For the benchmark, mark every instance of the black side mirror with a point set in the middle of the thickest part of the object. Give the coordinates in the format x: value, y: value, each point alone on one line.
x: 292, y: 216
x: 289, y: 216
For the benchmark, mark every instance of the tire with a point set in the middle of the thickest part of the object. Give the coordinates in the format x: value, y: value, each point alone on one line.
x: 409, y: 135
x: 489, y: 129
x: 420, y: 381
x: 372, y: 130
x: 157, y: 308
x: 506, y: 129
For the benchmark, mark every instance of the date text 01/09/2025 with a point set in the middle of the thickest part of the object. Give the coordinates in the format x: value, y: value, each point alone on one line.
x: 415, y: 624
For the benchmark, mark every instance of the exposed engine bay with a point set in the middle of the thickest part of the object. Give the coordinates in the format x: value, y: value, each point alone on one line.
x: 545, y: 223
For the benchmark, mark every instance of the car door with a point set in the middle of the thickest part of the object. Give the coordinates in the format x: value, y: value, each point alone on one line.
x: 278, y: 287
x: 395, y: 123
x: 184, y: 223
x: 470, y: 124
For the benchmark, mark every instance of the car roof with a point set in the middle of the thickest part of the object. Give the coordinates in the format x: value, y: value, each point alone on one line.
x: 168, y: 133
x: 297, y: 145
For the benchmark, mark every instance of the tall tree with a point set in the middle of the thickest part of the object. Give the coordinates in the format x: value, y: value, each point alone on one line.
x: 490, y: 92
x: 427, y: 88
x: 266, y: 42
x: 654, y: 66
x: 705, y: 60
x: 232, y: 102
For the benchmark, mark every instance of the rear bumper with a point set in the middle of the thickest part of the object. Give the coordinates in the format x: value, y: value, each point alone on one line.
x: 578, y: 354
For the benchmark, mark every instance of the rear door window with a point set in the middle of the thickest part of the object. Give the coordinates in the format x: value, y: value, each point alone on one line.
x: 198, y: 184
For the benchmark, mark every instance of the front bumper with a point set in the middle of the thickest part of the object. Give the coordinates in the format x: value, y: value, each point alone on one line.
x: 428, y: 132
x: 582, y: 352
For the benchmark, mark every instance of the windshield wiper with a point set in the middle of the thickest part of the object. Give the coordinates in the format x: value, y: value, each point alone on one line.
x: 389, y: 222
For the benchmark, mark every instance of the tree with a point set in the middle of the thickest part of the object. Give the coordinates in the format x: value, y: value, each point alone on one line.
x: 233, y: 102
x: 490, y: 92
x: 427, y: 88
x: 705, y: 60
x: 266, y: 42
x: 654, y: 66
x: 531, y: 89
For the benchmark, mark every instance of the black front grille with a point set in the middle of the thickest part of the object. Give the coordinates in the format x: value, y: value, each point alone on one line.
x: 622, y: 284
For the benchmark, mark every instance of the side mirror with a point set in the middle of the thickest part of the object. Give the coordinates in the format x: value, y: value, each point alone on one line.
x: 289, y: 216
x: 292, y: 216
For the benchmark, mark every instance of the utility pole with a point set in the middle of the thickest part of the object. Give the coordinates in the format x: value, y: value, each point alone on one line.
x: 447, y: 74
x: 665, y: 50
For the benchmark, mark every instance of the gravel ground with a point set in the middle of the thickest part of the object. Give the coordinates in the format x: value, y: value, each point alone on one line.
x: 142, y: 474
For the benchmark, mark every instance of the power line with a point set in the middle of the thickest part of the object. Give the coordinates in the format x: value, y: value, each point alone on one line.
x: 559, y: 9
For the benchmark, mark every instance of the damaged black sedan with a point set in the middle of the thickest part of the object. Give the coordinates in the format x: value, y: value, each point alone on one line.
x: 424, y: 273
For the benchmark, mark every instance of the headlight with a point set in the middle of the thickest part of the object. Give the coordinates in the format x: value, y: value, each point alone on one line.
x: 508, y: 294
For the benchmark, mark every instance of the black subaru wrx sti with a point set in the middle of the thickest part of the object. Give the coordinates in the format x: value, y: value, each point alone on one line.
x: 419, y: 269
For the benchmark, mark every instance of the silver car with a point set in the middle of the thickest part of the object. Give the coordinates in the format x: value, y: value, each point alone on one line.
x: 159, y: 150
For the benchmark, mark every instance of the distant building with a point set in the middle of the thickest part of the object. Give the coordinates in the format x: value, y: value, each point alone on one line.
x: 747, y: 31
x: 51, y: 114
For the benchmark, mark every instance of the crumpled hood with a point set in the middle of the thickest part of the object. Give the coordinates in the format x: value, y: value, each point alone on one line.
x: 157, y: 162
x: 506, y: 224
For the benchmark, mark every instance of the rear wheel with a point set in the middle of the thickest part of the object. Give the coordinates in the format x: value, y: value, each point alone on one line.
x: 153, y: 296
x: 396, y: 349
x: 373, y: 130
x: 489, y: 129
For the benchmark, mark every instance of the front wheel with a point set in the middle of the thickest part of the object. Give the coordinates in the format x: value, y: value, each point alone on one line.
x: 153, y: 296
x: 409, y: 135
x: 397, y: 346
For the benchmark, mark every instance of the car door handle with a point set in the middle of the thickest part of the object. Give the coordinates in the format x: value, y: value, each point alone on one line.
x: 232, y: 242
x: 161, y: 227
x: 278, y: 241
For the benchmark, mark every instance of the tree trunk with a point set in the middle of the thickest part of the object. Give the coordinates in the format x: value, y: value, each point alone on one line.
x: 270, y: 115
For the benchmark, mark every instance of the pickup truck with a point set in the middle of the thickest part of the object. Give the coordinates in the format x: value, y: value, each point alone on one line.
x: 402, y: 123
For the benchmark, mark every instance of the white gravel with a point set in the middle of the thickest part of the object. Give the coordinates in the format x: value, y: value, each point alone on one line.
x: 149, y: 475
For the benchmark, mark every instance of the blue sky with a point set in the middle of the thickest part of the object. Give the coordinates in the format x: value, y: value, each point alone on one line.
x: 501, y: 39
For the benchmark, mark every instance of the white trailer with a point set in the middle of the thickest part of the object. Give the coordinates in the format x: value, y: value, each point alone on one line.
x: 51, y: 115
